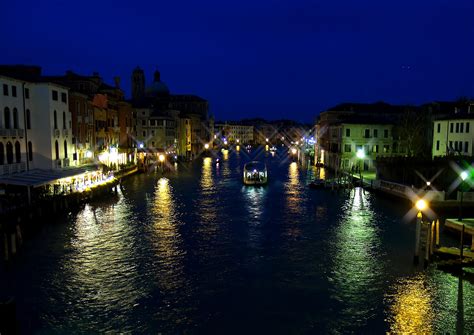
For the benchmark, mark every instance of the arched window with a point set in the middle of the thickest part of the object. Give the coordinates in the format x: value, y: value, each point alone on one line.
x: 56, y: 148
x: 55, y: 120
x: 17, y: 152
x: 6, y: 116
x: 65, y: 149
x: 9, y: 153
x: 30, y: 151
x: 2, y: 154
x: 64, y: 120
x: 28, y: 119
x: 15, y: 118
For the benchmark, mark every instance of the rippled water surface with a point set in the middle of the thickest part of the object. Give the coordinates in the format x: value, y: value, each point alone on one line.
x: 195, y: 251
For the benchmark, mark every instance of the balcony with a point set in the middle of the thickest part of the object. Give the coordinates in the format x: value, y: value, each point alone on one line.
x: 12, y: 132
x: 56, y: 132
x: 65, y: 132
x: 13, y: 168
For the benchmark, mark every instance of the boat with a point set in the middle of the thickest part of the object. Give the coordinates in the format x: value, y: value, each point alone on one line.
x: 317, y: 183
x: 255, y: 173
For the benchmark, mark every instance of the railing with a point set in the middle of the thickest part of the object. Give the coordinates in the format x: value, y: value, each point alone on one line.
x: 12, y: 168
x: 11, y: 132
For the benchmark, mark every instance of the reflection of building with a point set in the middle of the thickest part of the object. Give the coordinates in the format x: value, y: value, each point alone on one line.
x: 169, y: 122
x: 35, y: 122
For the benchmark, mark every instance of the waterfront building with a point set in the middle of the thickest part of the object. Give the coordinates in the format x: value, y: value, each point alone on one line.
x: 109, y: 114
x: 174, y: 123
x: 372, y: 137
x: 344, y: 129
x: 36, y: 124
x: 234, y: 132
x: 454, y: 135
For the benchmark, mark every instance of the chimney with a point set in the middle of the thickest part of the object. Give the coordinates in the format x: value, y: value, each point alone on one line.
x: 117, y: 81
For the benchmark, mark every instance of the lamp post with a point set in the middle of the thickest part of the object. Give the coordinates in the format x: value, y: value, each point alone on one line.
x: 161, y: 157
x: 463, y: 176
x: 420, y: 206
x: 360, y: 155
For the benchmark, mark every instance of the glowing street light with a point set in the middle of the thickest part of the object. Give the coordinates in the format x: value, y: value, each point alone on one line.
x: 360, y: 154
x: 421, y: 205
x: 161, y: 157
x: 140, y: 145
x: 238, y: 140
x: 294, y: 151
x: 266, y: 140
x: 206, y: 146
x: 463, y: 176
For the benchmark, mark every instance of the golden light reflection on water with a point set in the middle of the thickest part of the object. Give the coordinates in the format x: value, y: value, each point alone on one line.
x: 206, y: 174
x: 411, y: 310
x: 356, y: 268
x: 167, y: 239
x: 208, y: 201
x: 293, y: 191
x: 100, y: 252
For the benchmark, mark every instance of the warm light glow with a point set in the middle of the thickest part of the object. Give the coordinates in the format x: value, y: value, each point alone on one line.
x: 238, y: 140
x: 140, y: 145
x: 428, y: 183
x: 237, y: 148
x: 225, y: 142
x: 88, y: 154
x: 294, y: 151
x: 421, y: 205
x: 266, y: 147
x: 161, y: 157
x: 206, y: 146
x: 360, y: 154
x: 464, y: 175
x: 266, y: 140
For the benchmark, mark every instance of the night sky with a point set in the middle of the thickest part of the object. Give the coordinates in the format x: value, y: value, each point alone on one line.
x: 267, y: 58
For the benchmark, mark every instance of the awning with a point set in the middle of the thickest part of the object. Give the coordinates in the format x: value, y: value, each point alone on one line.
x: 39, y: 177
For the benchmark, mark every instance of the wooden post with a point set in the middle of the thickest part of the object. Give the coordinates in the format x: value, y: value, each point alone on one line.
x: 437, y: 233
x: 417, y: 237
x: 432, y: 227
x: 462, y: 243
x: 427, y: 246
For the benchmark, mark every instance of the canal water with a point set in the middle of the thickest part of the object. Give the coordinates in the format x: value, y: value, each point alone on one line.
x: 195, y: 251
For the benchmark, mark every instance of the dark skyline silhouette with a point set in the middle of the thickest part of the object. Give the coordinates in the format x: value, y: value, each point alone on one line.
x: 269, y: 59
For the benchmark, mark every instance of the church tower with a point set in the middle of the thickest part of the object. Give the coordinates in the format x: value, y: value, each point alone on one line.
x: 138, y: 84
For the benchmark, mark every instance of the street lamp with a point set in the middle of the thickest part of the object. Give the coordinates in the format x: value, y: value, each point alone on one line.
x: 420, y: 205
x: 463, y: 176
x: 161, y: 158
x: 206, y: 146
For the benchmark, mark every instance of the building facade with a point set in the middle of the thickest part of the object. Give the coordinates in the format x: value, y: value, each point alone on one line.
x: 453, y: 136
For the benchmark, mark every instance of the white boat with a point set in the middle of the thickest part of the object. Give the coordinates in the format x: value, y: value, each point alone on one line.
x: 255, y: 173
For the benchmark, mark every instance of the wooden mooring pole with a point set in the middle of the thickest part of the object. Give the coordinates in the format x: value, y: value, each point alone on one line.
x: 427, y: 245
x: 437, y: 233
x: 417, y: 238
x: 461, y: 247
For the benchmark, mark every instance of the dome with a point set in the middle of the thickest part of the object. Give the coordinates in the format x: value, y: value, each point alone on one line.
x: 158, y: 87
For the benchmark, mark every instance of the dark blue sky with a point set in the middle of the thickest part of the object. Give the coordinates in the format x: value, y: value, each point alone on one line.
x: 268, y: 58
